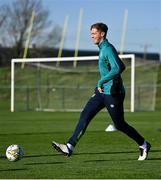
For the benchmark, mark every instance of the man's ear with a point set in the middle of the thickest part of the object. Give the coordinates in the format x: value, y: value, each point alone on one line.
x: 102, y: 34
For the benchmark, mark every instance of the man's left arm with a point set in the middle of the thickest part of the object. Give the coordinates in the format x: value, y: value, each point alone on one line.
x: 117, y: 66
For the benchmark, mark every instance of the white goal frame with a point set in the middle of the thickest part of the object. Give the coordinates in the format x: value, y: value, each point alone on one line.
x: 82, y: 58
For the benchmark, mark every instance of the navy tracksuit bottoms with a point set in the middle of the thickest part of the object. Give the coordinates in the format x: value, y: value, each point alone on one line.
x: 114, y: 105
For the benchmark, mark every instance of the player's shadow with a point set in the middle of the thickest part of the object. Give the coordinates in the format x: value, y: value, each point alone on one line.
x: 99, y: 160
x: 5, y: 170
x: 41, y: 155
x: 113, y: 152
x: 96, y: 160
x: 110, y: 152
x: 154, y: 159
x: 43, y: 163
x: 32, y: 133
x: 88, y: 153
x: 3, y: 157
x: 35, y: 155
x: 104, y: 153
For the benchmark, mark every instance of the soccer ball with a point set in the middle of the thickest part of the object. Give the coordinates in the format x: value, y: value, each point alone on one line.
x: 14, y: 152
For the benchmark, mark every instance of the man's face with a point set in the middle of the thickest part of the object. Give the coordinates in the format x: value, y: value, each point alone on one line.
x: 97, y: 36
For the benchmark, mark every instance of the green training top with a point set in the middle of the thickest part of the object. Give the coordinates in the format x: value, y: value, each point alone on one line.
x: 110, y: 67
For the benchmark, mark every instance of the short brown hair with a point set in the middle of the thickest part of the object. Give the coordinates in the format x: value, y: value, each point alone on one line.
x: 100, y: 27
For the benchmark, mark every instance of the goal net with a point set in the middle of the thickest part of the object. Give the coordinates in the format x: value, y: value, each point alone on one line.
x: 62, y: 84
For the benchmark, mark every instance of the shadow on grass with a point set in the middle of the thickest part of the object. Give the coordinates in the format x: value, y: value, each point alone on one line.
x: 78, y: 154
x: 98, y: 160
x: 112, y: 152
x: 3, y: 157
x: 21, y: 169
x: 36, y: 155
x: 86, y: 153
x: 33, y: 133
x: 44, y: 163
x: 152, y: 159
x: 41, y: 155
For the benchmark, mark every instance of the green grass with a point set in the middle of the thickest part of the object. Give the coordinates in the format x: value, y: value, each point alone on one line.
x: 98, y: 155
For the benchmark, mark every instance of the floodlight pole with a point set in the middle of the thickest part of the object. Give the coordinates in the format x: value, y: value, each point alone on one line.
x: 63, y: 38
x: 78, y: 37
x: 124, y: 29
x: 28, y: 38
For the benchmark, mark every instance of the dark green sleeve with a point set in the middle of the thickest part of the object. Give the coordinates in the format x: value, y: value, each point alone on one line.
x: 116, y: 65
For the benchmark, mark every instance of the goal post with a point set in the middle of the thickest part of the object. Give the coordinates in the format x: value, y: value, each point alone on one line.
x: 72, y: 59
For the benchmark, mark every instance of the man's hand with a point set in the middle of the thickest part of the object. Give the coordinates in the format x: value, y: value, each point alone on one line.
x: 100, y: 90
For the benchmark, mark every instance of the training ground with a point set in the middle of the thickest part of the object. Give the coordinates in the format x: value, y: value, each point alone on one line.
x: 99, y: 154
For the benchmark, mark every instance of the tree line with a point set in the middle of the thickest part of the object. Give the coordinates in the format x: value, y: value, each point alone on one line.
x: 15, y: 21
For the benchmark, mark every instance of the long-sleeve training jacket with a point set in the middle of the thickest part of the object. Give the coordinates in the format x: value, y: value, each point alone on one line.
x: 110, y: 67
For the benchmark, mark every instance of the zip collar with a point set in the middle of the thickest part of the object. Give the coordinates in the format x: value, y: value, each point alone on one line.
x: 102, y: 43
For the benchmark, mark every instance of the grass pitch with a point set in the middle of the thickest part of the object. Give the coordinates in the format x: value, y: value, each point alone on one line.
x: 98, y: 155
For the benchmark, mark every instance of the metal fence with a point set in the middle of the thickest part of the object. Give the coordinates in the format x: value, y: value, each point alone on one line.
x: 59, y: 98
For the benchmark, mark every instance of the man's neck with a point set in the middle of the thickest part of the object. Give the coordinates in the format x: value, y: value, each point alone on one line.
x: 101, y: 40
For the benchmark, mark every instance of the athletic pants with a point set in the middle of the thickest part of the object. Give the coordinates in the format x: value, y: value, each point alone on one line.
x: 114, y: 105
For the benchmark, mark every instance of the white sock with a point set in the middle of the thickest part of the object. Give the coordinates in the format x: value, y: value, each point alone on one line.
x: 144, y: 145
x: 70, y: 146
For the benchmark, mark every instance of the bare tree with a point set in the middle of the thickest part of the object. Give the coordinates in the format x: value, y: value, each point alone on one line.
x: 19, y: 13
x: 2, y: 15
